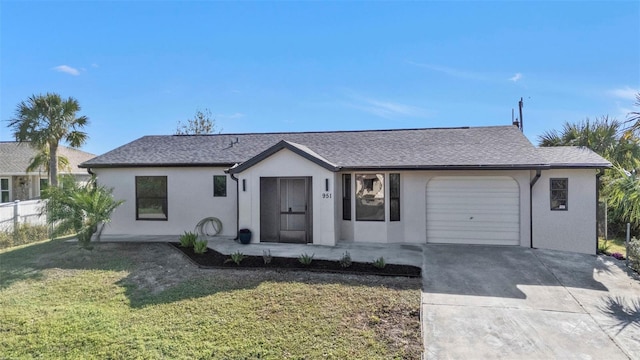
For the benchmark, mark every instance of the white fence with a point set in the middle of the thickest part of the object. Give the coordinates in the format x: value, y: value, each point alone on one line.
x: 21, y: 212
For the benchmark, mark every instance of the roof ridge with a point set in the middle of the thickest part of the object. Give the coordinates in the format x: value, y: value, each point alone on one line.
x: 335, y: 131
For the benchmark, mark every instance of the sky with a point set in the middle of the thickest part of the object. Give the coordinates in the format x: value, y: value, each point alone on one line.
x: 139, y: 67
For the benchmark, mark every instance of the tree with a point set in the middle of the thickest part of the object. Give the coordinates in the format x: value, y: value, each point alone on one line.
x: 634, y: 117
x: 42, y: 158
x: 201, y: 124
x: 45, y: 121
x: 623, y: 195
x: 79, y: 208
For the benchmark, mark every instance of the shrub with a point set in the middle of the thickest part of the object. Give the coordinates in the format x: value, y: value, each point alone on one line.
x: 379, y: 263
x: 633, y: 254
x: 24, y: 234
x: 236, y: 257
x: 345, y: 261
x: 188, y: 239
x: 305, y: 259
x: 200, y: 246
x: 79, y: 208
x: 266, y: 256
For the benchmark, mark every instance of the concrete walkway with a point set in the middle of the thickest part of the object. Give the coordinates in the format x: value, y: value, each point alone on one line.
x: 510, y: 302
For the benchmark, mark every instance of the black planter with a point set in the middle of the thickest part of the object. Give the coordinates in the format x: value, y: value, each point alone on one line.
x: 244, y: 235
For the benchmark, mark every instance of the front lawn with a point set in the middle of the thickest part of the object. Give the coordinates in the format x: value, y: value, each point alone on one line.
x: 147, y: 301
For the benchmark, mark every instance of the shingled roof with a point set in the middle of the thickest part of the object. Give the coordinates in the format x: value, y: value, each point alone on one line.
x: 15, y: 157
x: 496, y: 147
x: 572, y: 156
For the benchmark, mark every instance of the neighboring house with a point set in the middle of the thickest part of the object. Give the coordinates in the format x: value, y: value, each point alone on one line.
x: 484, y: 185
x: 18, y: 184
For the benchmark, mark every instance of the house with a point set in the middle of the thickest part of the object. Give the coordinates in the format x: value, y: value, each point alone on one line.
x: 18, y: 184
x: 479, y: 185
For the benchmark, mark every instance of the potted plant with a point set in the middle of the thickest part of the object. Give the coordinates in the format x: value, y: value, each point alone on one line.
x: 244, y: 235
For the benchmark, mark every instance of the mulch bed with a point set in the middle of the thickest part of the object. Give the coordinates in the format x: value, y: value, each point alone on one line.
x: 214, y: 259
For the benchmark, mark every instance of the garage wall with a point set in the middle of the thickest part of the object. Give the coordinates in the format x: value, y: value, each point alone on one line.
x: 190, y: 199
x: 573, y: 229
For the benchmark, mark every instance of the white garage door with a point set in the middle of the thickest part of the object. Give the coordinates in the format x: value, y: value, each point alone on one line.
x: 473, y: 210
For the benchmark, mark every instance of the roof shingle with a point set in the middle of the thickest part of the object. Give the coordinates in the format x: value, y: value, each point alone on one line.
x: 15, y: 157
x: 477, y: 147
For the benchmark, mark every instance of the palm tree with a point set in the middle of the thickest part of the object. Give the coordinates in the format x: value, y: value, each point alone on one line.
x: 41, y: 159
x: 45, y: 121
x: 80, y: 208
x: 623, y: 194
x: 634, y: 116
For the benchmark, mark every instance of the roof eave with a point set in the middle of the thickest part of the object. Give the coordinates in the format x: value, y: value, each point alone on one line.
x: 449, y: 167
x: 148, y: 165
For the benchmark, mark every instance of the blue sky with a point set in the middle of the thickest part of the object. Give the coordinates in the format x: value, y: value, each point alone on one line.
x: 137, y: 68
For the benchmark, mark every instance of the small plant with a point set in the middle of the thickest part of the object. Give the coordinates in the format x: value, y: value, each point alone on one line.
x: 266, y: 256
x: 618, y: 256
x: 236, y: 257
x: 603, y: 247
x: 200, y: 246
x: 188, y: 239
x: 305, y: 259
x: 345, y: 261
x: 379, y: 263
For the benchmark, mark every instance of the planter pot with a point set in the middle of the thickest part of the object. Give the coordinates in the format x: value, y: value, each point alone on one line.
x: 244, y: 236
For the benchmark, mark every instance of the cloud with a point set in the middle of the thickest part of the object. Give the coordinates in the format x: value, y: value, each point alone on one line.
x: 94, y: 65
x: 462, y: 74
x: 229, y: 117
x: 516, y: 77
x: 384, y: 108
x: 625, y: 93
x: 67, y: 69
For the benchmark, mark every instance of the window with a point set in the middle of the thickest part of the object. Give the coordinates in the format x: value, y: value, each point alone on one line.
x: 151, y: 198
x: 346, y: 197
x: 394, y: 197
x: 559, y: 194
x: 370, y: 197
x: 4, y: 190
x: 43, y: 185
x: 220, y: 185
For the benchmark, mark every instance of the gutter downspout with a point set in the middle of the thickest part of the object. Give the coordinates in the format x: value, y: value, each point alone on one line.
x: 598, y: 175
x: 237, y: 204
x: 533, y: 182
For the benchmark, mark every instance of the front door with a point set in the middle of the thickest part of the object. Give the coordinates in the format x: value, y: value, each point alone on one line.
x: 285, y: 210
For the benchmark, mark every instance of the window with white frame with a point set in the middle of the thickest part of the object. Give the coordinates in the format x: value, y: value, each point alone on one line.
x: 5, y: 191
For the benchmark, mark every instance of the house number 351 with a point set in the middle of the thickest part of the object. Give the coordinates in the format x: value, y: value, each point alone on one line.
x: 326, y: 195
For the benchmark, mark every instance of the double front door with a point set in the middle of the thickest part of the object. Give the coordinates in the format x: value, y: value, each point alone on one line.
x: 285, y: 209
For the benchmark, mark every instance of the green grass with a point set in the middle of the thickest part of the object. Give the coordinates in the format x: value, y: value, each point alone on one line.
x: 147, y: 301
x: 612, y: 246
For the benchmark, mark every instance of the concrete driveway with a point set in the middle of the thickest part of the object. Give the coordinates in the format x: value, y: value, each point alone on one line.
x: 511, y: 302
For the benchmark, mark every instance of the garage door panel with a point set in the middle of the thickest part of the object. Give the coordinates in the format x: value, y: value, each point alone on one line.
x: 473, y: 210
x: 479, y: 225
x: 481, y: 237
